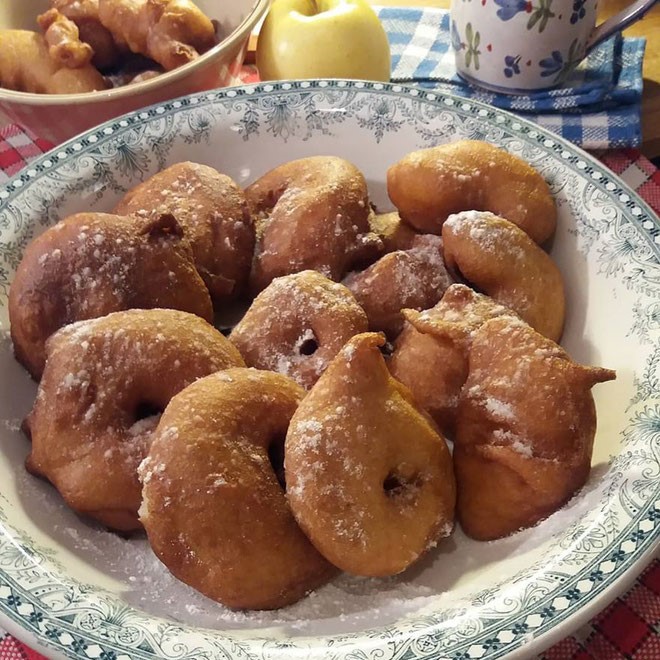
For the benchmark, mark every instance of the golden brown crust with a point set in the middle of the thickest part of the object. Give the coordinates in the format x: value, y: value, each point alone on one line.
x: 213, y: 509
x: 311, y: 214
x: 88, y: 437
x: 525, y: 429
x: 501, y: 260
x: 26, y: 66
x: 171, y: 32
x: 414, y: 278
x: 91, y: 264
x: 431, y: 354
x: 85, y: 14
x: 297, y: 325
x: 63, y: 40
x: 368, y: 477
x: 214, y: 216
x: 428, y: 185
x: 395, y: 234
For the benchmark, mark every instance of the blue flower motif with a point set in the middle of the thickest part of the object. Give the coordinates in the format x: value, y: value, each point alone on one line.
x: 552, y: 64
x: 519, y: 628
x: 573, y: 594
x: 78, y: 645
x: 36, y: 617
x: 509, y: 8
x: 13, y: 600
x: 578, y: 11
x: 548, y: 612
x: 511, y: 65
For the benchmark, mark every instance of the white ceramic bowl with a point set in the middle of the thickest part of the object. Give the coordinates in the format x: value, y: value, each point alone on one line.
x: 76, y: 591
x: 57, y: 117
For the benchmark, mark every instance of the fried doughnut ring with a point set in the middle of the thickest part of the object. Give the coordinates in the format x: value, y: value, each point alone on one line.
x: 26, y: 66
x: 213, y: 509
x: 501, y: 260
x: 428, y: 185
x: 297, y: 324
x: 368, y: 477
x: 525, y: 429
x: 430, y: 355
x: 415, y: 278
x: 90, y: 264
x: 311, y: 214
x: 214, y: 216
x: 88, y: 429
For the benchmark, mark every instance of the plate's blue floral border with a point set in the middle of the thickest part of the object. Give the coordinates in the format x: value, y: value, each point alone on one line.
x: 80, y: 621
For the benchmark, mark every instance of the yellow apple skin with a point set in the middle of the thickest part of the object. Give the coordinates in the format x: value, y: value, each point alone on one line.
x: 323, y: 39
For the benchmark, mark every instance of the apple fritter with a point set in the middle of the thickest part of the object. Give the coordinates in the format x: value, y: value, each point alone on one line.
x: 431, y: 354
x: 501, y: 260
x: 525, y: 429
x: 214, y: 506
x: 415, y: 278
x: 369, y: 479
x: 428, y: 185
x: 297, y: 325
x: 311, y: 214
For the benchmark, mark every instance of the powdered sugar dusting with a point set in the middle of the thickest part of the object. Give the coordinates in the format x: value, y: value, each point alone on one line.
x: 129, y: 568
x: 500, y: 410
x: 297, y: 324
x: 12, y: 424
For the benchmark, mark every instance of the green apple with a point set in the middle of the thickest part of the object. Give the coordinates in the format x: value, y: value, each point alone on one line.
x: 322, y: 39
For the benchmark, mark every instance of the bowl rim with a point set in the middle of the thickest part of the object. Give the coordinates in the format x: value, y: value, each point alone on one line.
x: 241, y: 32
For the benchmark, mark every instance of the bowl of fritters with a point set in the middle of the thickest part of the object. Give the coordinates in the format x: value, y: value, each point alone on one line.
x: 66, y: 65
x: 71, y: 588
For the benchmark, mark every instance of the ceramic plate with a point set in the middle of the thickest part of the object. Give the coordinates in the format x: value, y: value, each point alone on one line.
x: 77, y: 591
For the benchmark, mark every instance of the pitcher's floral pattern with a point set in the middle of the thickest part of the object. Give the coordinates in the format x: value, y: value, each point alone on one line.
x: 579, y: 12
x: 511, y: 65
x: 555, y: 65
x: 540, y: 13
x: 472, y: 52
x: 509, y: 29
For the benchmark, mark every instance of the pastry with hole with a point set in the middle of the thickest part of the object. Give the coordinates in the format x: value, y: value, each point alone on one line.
x: 214, y: 507
x: 297, y: 324
x: 369, y: 478
x: 106, y: 381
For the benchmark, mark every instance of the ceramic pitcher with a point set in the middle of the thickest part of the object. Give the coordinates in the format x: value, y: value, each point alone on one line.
x: 515, y: 46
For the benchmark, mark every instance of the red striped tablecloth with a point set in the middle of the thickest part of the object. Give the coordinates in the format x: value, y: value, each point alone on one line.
x: 629, y: 629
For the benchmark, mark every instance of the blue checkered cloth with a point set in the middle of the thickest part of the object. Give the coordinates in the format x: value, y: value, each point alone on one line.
x: 598, y: 107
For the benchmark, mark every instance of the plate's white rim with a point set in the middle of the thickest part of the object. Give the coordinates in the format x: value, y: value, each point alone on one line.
x: 64, y: 150
x: 637, y: 560
x: 591, y: 608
